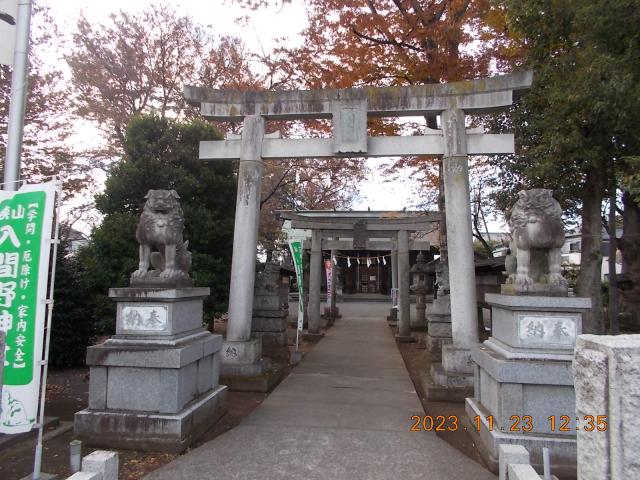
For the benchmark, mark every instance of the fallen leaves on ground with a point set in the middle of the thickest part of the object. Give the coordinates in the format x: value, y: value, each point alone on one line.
x: 136, y: 465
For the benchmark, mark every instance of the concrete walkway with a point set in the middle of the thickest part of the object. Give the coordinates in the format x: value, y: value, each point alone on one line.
x: 343, y: 413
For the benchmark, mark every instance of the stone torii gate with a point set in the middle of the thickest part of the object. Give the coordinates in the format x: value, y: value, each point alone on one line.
x: 348, y: 109
x: 331, y: 233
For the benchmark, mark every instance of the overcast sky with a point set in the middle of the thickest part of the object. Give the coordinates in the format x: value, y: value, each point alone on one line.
x: 264, y: 27
x: 376, y: 193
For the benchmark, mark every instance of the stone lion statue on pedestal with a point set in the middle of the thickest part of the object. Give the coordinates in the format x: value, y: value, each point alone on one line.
x: 160, y: 228
x: 537, y: 235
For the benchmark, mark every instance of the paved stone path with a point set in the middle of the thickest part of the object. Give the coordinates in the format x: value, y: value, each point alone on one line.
x: 343, y: 413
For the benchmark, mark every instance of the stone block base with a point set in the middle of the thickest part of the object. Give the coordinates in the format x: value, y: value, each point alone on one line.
x: 264, y: 382
x: 434, y: 344
x: 439, y: 324
x: 453, y: 378
x: 146, y: 378
x: 254, y: 369
x: 440, y: 329
x: 272, y: 339
x: 457, y: 361
x: 448, y: 388
x: 245, y: 369
x: 151, y: 431
x: 507, y: 387
x: 241, y: 352
x: 418, y: 327
x: 271, y: 329
x: 562, y: 448
x: 448, y: 379
x: 277, y: 353
x: 276, y: 322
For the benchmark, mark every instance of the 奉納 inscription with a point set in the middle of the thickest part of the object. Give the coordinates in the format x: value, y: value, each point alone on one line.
x: 559, y: 330
x: 147, y: 317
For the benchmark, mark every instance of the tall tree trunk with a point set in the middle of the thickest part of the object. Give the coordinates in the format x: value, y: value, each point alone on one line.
x: 629, y: 280
x: 589, y: 280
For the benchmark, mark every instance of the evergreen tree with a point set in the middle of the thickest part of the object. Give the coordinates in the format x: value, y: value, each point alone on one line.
x: 162, y: 154
x: 579, y: 121
x: 71, y: 332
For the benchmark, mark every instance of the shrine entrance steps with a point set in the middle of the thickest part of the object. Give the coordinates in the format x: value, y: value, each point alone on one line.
x: 343, y: 413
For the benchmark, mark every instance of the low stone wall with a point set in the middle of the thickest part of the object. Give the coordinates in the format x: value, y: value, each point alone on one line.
x: 607, y: 382
x: 515, y: 464
x: 99, y: 465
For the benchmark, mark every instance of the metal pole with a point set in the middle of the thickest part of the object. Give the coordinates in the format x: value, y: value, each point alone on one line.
x: 614, y: 324
x: 546, y: 463
x: 37, y: 462
x: 75, y: 456
x: 19, y: 83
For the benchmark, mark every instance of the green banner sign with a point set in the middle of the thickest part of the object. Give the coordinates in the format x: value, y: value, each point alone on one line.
x: 296, y: 253
x: 25, y: 232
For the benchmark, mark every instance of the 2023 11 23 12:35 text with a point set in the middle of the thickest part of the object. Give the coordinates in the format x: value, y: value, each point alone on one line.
x: 517, y: 423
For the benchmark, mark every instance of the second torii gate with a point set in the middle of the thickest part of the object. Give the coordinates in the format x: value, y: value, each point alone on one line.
x: 330, y: 233
x: 348, y: 109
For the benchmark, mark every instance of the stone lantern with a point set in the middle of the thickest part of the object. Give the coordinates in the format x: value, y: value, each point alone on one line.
x: 420, y: 287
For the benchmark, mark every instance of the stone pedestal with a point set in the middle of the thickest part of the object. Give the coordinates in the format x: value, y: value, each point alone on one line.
x: 243, y: 359
x: 419, y: 275
x: 269, y: 321
x: 439, y: 323
x: 271, y: 328
x: 524, y: 369
x: 154, y: 384
x: 420, y: 321
x: 244, y: 369
x: 243, y: 366
x: 453, y: 378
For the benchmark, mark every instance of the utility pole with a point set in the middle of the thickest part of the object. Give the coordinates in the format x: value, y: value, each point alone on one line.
x: 19, y: 86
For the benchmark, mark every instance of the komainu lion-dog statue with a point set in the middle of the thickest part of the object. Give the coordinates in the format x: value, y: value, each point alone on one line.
x: 160, y: 228
x: 537, y: 235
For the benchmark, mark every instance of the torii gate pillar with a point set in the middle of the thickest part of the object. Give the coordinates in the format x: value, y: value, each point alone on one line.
x: 404, y: 281
x: 456, y: 371
x: 241, y: 355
